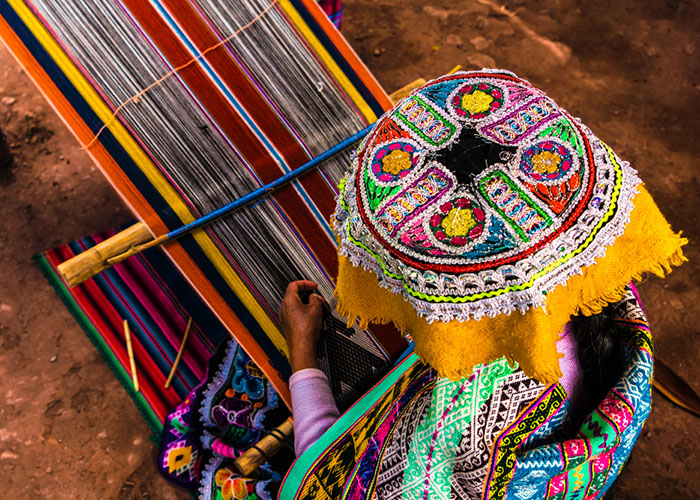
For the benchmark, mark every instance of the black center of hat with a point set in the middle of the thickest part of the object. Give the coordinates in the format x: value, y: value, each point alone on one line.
x: 471, y: 154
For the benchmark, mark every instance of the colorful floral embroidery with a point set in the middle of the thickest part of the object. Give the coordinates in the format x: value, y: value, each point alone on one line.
x: 547, y: 204
x: 233, y: 486
x: 222, y: 417
x: 546, y: 162
x: 477, y: 100
x: 394, y: 161
x: 457, y: 222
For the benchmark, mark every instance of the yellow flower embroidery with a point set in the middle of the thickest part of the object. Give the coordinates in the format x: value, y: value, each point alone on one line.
x: 222, y: 478
x: 478, y: 102
x: 396, y: 162
x: 240, y: 488
x: 546, y: 162
x: 222, y: 475
x: 458, y: 222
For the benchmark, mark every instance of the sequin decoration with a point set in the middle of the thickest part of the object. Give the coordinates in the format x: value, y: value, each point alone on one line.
x: 477, y: 195
x: 519, y: 123
x: 514, y: 206
x: 394, y: 161
x: 425, y: 121
x: 413, y: 200
x: 457, y: 222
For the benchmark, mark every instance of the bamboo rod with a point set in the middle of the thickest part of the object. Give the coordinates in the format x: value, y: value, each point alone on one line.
x: 94, y: 260
x: 268, y: 446
x: 179, y: 354
x: 406, y: 89
x: 130, y: 352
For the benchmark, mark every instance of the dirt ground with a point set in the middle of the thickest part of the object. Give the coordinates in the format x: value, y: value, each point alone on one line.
x: 629, y: 69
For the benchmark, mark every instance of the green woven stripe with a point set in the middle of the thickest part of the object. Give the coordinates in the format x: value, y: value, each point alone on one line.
x: 122, y: 376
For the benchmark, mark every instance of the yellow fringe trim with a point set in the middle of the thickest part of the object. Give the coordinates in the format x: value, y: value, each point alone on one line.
x: 648, y: 245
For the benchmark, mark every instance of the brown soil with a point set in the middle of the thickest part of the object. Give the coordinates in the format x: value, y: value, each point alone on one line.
x: 629, y: 69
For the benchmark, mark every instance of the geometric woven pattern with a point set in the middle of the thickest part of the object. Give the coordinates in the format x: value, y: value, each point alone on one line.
x: 492, y: 435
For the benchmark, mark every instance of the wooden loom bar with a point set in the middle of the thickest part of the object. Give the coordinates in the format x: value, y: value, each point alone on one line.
x: 268, y: 446
x: 94, y: 260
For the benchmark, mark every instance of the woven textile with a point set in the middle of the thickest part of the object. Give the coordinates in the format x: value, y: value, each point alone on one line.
x: 494, y: 434
x: 220, y: 390
x: 150, y: 293
x: 227, y: 413
x: 186, y: 105
x: 489, y: 215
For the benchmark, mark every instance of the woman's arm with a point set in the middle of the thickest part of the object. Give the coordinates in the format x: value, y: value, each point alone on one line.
x: 313, y: 405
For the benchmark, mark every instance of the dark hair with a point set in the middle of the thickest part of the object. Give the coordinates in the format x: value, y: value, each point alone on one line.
x: 599, y: 355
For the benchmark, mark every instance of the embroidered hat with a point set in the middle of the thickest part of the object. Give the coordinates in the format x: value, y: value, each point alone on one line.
x: 478, y: 216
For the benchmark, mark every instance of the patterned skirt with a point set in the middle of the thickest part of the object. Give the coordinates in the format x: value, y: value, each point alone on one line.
x: 227, y: 413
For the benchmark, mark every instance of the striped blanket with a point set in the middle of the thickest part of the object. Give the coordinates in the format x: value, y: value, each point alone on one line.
x: 149, y: 292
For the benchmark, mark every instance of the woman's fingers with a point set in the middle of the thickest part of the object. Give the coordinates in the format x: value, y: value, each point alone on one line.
x: 301, y: 316
x: 306, y: 285
x: 300, y: 286
x: 298, y: 291
x: 316, y: 299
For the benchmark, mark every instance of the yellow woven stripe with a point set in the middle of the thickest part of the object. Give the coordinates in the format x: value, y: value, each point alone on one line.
x: 149, y: 169
x: 328, y: 61
x: 101, y: 109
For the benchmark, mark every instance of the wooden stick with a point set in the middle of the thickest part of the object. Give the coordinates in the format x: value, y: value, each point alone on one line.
x: 671, y: 385
x: 248, y: 463
x: 179, y: 353
x: 136, y: 249
x: 419, y: 82
x: 406, y: 89
x: 94, y: 260
x: 130, y: 351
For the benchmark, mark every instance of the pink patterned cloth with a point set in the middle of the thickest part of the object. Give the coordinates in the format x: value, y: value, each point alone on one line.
x: 315, y: 411
x: 333, y: 9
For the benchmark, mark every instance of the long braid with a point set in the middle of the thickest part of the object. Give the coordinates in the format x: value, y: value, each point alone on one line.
x: 598, y: 354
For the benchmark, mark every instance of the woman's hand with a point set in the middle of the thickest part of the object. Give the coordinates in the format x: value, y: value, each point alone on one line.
x: 301, y: 323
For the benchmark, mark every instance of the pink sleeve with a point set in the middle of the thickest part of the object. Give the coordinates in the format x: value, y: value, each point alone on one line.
x: 313, y: 407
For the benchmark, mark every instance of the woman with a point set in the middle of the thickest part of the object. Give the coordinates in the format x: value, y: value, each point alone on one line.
x: 479, y: 217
